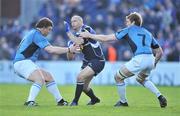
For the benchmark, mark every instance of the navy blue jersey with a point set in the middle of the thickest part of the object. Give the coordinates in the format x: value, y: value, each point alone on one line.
x: 140, y: 40
x: 91, y: 49
x: 30, y: 46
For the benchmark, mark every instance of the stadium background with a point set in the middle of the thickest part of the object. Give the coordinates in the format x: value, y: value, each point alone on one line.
x: 161, y: 17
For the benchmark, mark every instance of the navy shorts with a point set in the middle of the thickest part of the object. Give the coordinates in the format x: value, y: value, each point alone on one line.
x: 96, y: 65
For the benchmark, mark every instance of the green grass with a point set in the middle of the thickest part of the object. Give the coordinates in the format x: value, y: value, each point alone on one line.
x: 141, y: 101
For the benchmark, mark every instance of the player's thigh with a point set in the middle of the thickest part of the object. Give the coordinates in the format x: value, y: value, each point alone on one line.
x: 91, y: 68
x: 129, y: 69
x: 85, y: 73
x: 142, y: 76
x: 123, y: 73
x: 134, y: 65
x: 37, y: 76
x: 25, y: 68
x: 47, y: 76
x: 96, y: 65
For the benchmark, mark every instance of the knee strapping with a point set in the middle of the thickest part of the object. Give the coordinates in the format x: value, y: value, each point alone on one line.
x: 120, y: 75
x: 140, y: 79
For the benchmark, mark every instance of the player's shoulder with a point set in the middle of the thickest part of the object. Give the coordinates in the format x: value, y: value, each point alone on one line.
x: 29, y: 35
x: 146, y: 31
x: 139, y: 29
x: 33, y: 33
x: 134, y: 28
x: 124, y: 30
x: 88, y: 28
x: 30, y: 32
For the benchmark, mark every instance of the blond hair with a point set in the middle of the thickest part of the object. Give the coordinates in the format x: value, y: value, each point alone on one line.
x: 136, y: 18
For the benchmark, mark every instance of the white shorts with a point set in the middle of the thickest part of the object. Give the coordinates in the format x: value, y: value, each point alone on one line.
x: 24, y: 68
x: 141, y: 63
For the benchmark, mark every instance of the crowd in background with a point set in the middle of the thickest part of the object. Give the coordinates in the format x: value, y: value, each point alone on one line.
x: 161, y: 17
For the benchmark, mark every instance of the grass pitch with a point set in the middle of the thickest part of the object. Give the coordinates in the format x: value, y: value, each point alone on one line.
x: 141, y: 102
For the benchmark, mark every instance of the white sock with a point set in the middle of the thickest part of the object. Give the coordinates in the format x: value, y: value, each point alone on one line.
x: 53, y: 89
x: 148, y: 84
x: 122, y: 92
x: 35, y: 88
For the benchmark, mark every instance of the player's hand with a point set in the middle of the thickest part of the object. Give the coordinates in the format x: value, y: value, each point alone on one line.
x: 74, y: 48
x: 85, y: 34
x: 67, y: 26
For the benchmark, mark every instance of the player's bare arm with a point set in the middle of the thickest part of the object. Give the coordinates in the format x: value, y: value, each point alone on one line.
x: 60, y: 50
x: 102, y: 38
x: 77, y: 40
x: 158, y: 53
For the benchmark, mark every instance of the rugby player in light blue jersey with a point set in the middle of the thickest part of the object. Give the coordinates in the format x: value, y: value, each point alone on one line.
x: 143, y: 46
x: 27, y: 54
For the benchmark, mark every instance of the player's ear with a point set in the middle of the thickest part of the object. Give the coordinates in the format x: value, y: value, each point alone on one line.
x: 133, y: 23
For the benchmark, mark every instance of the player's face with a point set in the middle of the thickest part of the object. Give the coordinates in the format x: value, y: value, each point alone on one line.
x: 128, y: 22
x: 47, y: 30
x: 75, y: 23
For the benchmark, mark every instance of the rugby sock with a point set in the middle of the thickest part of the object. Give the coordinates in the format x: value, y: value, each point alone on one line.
x: 122, y: 91
x: 79, y: 89
x: 53, y: 89
x: 149, y: 85
x: 90, y: 93
x: 35, y: 88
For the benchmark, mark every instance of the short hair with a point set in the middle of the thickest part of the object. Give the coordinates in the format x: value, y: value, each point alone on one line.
x: 44, y: 23
x: 78, y: 17
x: 136, y: 17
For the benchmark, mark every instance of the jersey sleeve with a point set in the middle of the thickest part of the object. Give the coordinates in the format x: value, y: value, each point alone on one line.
x: 90, y: 30
x: 122, y: 33
x: 70, y: 43
x: 154, y: 43
x: 41, y: 41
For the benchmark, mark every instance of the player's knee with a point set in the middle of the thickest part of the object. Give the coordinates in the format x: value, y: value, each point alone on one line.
x: 40, y: 80
x: 140, y: 79
x: 48, y: 77
x: 119, y: 77
x: 80, y: 79
x: 37, y: 77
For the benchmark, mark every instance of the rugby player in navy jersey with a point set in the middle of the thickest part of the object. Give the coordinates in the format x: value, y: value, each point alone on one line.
x: 27, y: 54
x: 143, y: 46
x: 93, y: 61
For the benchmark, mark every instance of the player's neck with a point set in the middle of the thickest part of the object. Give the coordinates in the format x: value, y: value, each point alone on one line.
x: 41, y: 31
x: 77, y: 30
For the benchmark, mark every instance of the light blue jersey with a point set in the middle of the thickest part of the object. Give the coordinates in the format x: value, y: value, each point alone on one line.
x: 140, y: 40
x: 30, y: 46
